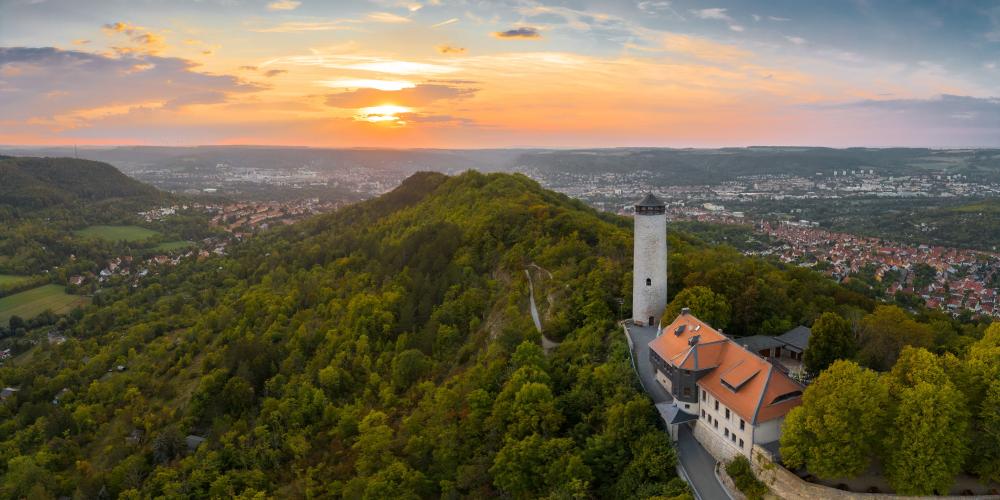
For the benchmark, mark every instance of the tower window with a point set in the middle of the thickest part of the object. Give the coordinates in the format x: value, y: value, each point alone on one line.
x: 649, y: 282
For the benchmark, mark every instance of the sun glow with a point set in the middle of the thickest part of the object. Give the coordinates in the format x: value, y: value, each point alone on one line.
x: 385, y: 113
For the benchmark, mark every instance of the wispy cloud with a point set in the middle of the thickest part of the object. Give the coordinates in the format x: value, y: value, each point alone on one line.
x: 797, y: 40
x: 417, y: 96
x: 719, y: 14
x: 939, y: 111
x: 450, y: 49
x: 293, y: 26
x: 284, y: 5
x: 364, y: 63
x: 526, y: 32
x: 654, y: 7
x: 387, y: 85
x: 142, y: 40
x: 387, y: 17
x: 445, y: 23
x: 704, y: 49
x: 712, y: 13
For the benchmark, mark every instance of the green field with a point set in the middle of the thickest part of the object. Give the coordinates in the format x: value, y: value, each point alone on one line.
x: 12, y: 280
x: 117, y: 233
x: 31, y: 303
x: 168, y: 246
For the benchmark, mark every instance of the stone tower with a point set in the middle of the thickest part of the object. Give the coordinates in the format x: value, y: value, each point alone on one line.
x: 649, y: 272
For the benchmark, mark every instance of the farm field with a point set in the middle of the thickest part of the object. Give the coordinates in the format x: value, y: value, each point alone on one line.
x: 117, y: 233
x: 31, y: 303
x: 168, y: 246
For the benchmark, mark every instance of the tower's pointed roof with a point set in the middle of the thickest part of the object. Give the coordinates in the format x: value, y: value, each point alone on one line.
x: 650, y: 201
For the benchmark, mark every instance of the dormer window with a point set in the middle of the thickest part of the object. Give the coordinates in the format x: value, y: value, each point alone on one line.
x: 649, y: 282
x: 786, y: 397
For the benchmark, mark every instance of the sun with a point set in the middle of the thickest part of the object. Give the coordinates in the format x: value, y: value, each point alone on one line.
x: 384, y: 113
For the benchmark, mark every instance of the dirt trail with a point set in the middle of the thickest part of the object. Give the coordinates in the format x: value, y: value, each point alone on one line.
x: 547, y: 343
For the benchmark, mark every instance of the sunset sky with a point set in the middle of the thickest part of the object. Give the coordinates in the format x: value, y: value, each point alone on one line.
x: 462, y: 73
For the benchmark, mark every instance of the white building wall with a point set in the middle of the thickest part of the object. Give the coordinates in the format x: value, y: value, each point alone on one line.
x: 717, y: 423
x: 650, y: 262
x: 768, y: 431
x: 664, y: 381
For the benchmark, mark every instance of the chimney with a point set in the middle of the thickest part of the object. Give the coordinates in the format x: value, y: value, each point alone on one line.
x: 694, y: 339
x: 685, y: 311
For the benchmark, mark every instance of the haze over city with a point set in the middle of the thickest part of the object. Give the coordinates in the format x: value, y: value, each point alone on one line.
x: 467, y: 74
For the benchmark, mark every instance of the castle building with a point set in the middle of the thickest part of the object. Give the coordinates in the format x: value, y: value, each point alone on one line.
x: 649, y: 272
x: 732, y: 397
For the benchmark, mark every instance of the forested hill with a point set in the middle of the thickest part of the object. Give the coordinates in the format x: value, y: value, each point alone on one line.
x: 33, y: 183
x: 383, y: 351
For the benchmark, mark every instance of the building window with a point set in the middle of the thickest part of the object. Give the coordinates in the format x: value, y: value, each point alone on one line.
x: 702, y: 413
x: 741, y: 444
x: 687, y: 392
x: 732, y: 437
x: 687, y: 406
x: 716, y: 405
x: 704, y: 395
x: 727, y: 432
x: 727, y: 413
x: 649, y: 282
x: 716, y: 423
x: 742, y: 424
x: 651, y: 321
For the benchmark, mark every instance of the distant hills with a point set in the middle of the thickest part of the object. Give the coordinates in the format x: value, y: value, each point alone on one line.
x: 668, y: 166
x: 34, y: 183
x: 708, y: 166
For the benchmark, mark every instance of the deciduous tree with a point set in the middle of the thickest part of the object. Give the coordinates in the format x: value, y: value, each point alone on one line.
x: 837, y: 429
x: 831, y: 340
x: 928, y: 442
x: 708, y: 306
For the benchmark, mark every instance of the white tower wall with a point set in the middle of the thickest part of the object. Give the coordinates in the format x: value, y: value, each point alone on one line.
x: 650, y: 262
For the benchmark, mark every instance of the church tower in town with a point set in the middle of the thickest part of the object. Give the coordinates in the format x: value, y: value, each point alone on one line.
x: 649, y: 273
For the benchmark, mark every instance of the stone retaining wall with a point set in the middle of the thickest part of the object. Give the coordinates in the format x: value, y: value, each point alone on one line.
x: 788, y: 486
x: 715, y: 444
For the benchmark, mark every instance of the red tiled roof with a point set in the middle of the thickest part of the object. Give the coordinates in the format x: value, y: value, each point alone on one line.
x: 743, y: 381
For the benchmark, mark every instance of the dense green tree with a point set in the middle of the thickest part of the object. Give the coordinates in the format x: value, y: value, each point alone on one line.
x: 374, y: 444
x: 885, y: 332
x: 987, y: 443
x: 916, y: 365
x: 705, y: 304
x: 527, y: 467
x: 831, y: 340
x: 837, y: 429
x: 928, y: 444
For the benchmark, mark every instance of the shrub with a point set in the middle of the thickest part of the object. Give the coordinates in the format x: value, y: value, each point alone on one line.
x: 741, y: 473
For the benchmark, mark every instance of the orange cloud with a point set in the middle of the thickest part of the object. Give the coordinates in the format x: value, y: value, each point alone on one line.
x: 449, y: 49
x: 284, y: 5
x: 143, y: 41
